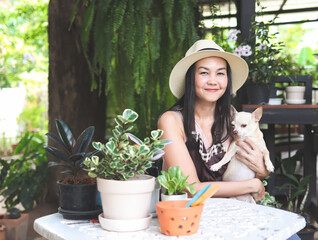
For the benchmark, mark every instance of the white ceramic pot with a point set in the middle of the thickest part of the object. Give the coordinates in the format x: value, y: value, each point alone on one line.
x: 295, y: 93
x: 182, y: 196
x: 126, y: 199
x: 154, y: 198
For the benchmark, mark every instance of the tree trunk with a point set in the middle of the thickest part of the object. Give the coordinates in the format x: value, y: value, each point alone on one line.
x: 70, y: 97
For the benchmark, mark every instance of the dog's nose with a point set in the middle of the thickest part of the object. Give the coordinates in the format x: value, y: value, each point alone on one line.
x: 235, y: 132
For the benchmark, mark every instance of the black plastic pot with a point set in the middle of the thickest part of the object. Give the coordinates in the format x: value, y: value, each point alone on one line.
x: 307, y: 233
x: 78, y: 201
x: 258, y: 93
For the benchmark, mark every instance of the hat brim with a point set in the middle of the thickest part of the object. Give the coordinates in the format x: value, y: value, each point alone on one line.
x: 239, y: 70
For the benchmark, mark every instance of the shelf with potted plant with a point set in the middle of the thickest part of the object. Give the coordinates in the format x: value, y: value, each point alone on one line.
x: 174, y: 184
x: 120, y: 170
x: 77, y: 191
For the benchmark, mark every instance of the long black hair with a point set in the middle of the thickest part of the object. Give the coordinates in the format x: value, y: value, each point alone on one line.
x: 222, y: 113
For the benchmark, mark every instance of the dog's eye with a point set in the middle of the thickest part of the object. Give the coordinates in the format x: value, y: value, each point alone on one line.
x: 243, y: 125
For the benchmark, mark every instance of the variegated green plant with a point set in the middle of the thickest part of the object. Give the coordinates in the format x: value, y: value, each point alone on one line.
x: 125, y: 155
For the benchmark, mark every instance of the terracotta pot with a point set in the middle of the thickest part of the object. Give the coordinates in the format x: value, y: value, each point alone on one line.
x: 16, y: 229
x: 165, y: 197
x: 126, y: 199
x: 177, y: 220
x: 2, y: 232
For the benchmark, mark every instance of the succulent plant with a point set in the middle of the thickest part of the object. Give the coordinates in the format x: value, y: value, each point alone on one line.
x: 70, y: 150
x: 175, y: 182
x: 125, y: 155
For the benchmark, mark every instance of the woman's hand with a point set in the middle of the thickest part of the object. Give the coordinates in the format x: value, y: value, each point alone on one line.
x: 252, y: 156
x: 259, y: 192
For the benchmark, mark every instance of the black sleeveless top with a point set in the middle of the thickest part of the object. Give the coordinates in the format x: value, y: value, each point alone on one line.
x: 204, y: 159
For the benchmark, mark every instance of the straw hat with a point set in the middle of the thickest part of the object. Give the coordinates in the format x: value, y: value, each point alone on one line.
x: 202, y: 49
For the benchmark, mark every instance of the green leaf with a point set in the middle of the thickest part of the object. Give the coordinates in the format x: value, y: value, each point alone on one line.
x: 165, y: 141
x: 116, y: 133
x: 162, y: 179
x: 154, y: 134
x: 57, y: 153
x: 148, y: 165
x: 65, y: 133
x: 56, y: 164
x: 172, y: 171
x: 56, y: 139
x: 87, y: 24
x: 144, y: 149
x: 92, y: 175
x: 110, y: 146
x: 98, y: 146
x: 129, y: 115
x: 113, y: 164
x: 134, y: 139
x: 84, y: 140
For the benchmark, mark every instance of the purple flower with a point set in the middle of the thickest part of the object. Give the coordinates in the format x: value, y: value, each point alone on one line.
x: 262, y: 46
x: 244, y: 51
x: 28, y: 57
x: 232, y: 36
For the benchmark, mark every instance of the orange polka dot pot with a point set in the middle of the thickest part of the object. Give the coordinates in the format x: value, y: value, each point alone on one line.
x: 177, y: 220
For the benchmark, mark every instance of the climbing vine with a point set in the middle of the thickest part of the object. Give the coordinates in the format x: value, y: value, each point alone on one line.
x: 131, y: 47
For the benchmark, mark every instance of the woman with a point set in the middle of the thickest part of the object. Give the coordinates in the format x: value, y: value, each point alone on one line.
x: 199, y: 124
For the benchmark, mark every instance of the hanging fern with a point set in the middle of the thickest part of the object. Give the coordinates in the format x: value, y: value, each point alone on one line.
x: 135, y: 45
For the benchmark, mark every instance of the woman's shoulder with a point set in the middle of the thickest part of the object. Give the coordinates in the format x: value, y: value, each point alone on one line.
x: 170, y: 117
x: 171, y: 122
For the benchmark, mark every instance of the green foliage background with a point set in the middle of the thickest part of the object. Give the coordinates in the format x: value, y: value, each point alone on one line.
x: 131, y: 47
x: 24, y: 56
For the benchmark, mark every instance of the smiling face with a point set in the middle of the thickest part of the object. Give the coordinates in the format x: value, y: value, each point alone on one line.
x: 210, y: 78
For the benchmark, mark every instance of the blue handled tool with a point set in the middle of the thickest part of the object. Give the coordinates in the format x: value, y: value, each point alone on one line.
x: 197, y: 195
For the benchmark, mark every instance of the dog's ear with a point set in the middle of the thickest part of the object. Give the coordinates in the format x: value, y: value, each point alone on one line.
x: 257, y: 114
x: 233, y: 111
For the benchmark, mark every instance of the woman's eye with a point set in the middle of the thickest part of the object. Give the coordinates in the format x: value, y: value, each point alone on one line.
x: 221, y: 73
x: 203, y: 73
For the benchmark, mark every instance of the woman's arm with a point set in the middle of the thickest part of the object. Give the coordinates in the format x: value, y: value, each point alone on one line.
x: 177, y: 155
x: 253, y: 157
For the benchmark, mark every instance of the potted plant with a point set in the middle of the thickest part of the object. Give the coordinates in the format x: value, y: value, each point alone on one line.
x: 295, y: 92
x: 174, y: 184
x: 120, y: 171
x: 297, y: 195
x: 262, y: 53
x: 269, y: 200
x: 78, y: 191
x: 23, y: 183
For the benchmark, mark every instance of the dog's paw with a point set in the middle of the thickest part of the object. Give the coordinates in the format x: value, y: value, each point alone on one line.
x: 270, y: 167
x: 215, y: 167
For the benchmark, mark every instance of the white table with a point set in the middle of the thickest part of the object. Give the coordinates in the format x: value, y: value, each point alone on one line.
x: 221, y: 219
